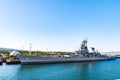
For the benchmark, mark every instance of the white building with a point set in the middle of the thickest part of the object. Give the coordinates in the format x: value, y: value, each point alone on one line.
x: 14, y: 53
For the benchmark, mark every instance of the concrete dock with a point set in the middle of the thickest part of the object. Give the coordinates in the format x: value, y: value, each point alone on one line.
x: 12, y: 61
x: 1, y: 62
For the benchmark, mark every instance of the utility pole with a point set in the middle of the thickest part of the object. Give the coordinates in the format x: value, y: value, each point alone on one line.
x: 30, y: 49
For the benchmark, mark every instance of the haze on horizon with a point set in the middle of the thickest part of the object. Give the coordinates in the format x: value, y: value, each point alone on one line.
x: 60, y: 25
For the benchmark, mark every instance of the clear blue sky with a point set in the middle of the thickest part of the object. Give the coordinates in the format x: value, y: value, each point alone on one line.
x: 60, y: 25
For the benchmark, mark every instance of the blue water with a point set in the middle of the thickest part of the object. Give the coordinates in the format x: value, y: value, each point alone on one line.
x: 103, y: 70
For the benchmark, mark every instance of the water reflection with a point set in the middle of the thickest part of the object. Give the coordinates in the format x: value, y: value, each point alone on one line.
x: 8, y: 71
x: 82, y: 69
x: 68, y: 71
x: 55, y: 71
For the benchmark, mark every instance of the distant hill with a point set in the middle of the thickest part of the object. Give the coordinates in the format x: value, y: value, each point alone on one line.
x: 7, y: 49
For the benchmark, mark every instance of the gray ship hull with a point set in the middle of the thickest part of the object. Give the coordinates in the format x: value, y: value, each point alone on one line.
x: 50, y: 60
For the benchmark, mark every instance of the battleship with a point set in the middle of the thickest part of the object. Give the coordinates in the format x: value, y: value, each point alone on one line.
x: 81, y: 55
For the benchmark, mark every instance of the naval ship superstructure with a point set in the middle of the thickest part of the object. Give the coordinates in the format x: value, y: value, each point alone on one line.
x: 81, y: 55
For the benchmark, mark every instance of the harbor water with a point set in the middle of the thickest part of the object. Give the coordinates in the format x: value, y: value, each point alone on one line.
x: 101, y: 70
